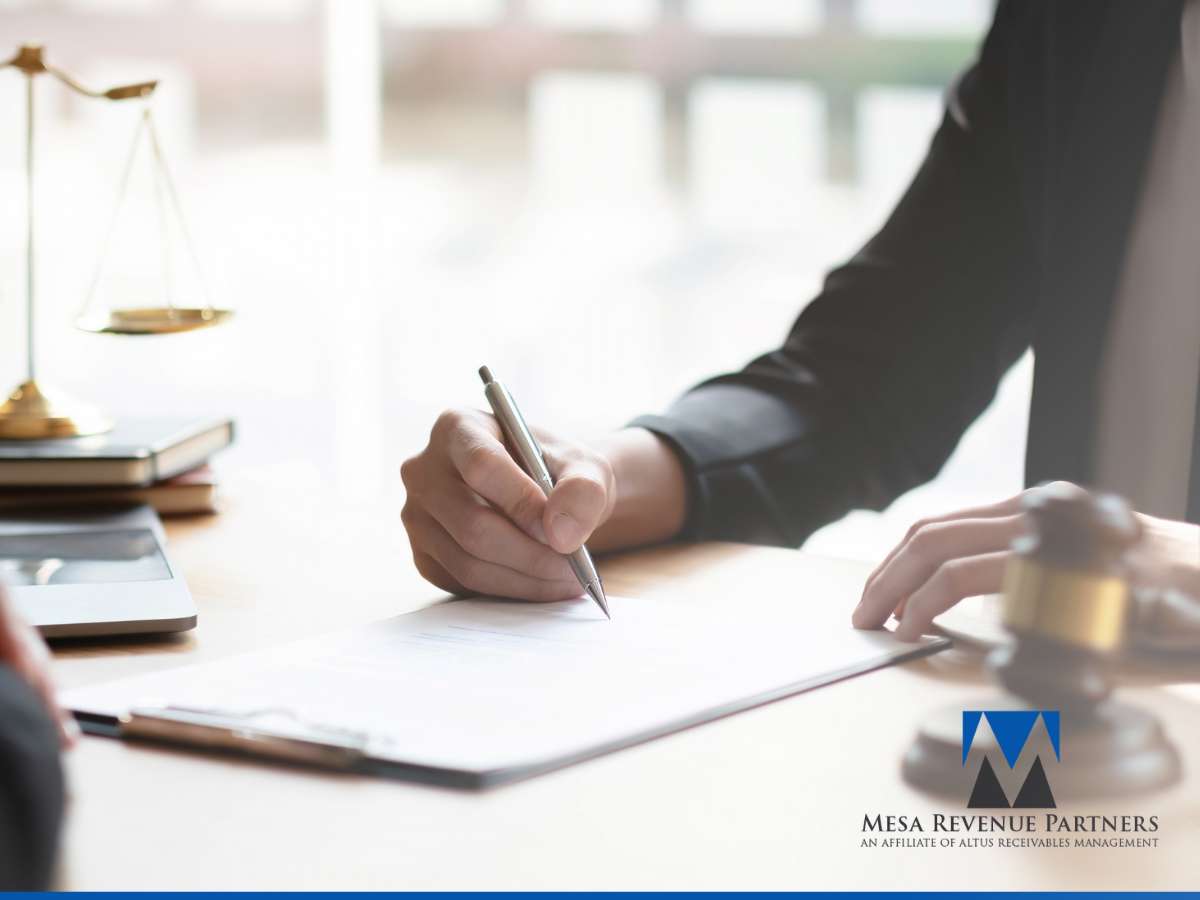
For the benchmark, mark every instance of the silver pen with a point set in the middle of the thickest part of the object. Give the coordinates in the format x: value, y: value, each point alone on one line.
x: 529, y: 455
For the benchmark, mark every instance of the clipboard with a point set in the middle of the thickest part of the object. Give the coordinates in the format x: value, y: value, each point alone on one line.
x: 555, y: 665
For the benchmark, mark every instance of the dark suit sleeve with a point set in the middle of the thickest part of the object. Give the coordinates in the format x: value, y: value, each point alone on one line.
x: 888, y: 365
x: 31, y: 787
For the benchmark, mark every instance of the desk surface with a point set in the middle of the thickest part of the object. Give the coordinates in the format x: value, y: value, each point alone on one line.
x: 770, y: 798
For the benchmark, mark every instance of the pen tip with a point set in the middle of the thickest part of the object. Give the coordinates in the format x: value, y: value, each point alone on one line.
x: 486, y: 374
x: 597, y: 593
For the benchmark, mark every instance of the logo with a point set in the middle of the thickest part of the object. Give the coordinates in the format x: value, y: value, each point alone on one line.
x: 1011, y: 729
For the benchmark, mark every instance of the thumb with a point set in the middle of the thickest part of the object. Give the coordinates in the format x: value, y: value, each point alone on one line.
x: 580, y: 502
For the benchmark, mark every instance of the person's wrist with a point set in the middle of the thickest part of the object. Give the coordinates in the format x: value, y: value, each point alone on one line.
x: 1167, y: 555
x: 651, y: 492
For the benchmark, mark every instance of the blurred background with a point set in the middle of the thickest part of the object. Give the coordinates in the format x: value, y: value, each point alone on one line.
x: 601, y: 199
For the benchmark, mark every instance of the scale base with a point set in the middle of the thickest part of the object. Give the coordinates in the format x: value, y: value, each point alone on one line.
x: 32, y: 413
x: 1116, y: 751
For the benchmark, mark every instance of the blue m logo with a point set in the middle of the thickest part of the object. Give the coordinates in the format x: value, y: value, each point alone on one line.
x: 1011, y: 728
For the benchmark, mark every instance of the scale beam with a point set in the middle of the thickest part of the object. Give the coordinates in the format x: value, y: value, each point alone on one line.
x: 31, y: 59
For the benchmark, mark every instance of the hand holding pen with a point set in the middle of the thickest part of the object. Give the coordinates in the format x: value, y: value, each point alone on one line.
x: 479, y: 524
x: 526, y: 450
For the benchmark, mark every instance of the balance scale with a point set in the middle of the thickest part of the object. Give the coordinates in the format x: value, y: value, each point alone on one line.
x: 33, y: 411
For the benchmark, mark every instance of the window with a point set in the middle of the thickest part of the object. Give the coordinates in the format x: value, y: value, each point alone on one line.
x: 611, y: 199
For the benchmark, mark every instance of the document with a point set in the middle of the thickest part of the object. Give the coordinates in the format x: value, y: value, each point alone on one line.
x: 497, y: 690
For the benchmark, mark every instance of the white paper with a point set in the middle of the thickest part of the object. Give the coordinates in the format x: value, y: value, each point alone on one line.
x: 479, y: 685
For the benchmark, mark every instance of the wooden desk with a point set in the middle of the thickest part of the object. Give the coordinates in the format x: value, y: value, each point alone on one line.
x: 770, y: 798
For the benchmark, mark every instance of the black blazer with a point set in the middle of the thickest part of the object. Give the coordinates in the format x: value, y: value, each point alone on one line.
x: 1011, y: 235
x: 31, y: 787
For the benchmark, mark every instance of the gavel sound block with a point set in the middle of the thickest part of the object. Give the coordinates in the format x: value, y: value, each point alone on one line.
x: 1067, y: 604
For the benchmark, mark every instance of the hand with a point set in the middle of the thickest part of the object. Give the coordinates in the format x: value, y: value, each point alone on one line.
x: 945, y: 559
x: 23, y: 649
x: 478, y: 524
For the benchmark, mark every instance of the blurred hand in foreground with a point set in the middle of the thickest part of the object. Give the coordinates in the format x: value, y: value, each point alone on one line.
x: 22, y: 649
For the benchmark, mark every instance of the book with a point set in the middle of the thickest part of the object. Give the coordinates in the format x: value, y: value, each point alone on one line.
x: 191, y: 492
x: 136, y: 453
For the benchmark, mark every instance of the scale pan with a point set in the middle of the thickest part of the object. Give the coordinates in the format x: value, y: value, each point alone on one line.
x: 154, y: 320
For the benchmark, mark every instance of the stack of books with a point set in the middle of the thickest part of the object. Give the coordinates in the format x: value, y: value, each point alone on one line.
x: 162, y: 462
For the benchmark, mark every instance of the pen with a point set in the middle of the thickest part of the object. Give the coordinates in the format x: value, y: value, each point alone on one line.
x: 529, y: 455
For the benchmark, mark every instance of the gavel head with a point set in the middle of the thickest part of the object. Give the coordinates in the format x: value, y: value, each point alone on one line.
x: 1066, y: 598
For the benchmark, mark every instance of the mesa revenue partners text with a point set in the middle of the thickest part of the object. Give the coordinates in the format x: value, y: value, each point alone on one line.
x: 1046, y: 830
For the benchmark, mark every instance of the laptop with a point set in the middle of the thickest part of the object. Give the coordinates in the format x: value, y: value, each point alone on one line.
x: 101, y: 572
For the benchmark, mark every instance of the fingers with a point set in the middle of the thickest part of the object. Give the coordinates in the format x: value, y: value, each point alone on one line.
x: 455, y: 570
x: 1009, y: 507
x: 478, y: 523
x: 932, y: 542
x: 484, y: 464
x: 486, y: 535
x: 952, y: 582
x: 23, y: 649
x: 432, y: 571
x: 36, y: 669
x: 582, y: 499
x: 922, y: 553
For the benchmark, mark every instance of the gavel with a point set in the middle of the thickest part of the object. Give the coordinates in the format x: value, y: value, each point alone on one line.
x: 1067, y: 600
x: 1069, y: 607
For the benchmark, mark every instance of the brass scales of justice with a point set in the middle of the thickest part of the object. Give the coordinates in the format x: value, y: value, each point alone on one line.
x: 33, y: 412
